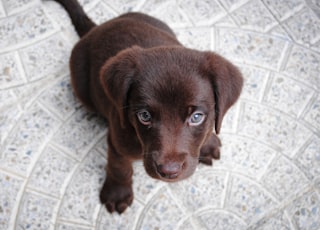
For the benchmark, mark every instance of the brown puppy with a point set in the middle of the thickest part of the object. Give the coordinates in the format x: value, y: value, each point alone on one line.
x: 162, y: 100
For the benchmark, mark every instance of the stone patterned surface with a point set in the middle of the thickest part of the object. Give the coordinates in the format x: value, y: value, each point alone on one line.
x: 254, y: 16
x: 52, y: 151
x: 287, y: 95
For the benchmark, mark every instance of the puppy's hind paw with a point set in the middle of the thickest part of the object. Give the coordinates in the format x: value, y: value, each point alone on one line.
x: 210, y: 151
x: 206, y: 157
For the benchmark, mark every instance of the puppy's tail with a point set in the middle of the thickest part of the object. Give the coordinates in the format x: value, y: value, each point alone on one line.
x: 82, y: 23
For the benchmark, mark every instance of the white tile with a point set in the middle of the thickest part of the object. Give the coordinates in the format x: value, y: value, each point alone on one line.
x: 304, y: 65
x: 229, y: 122
x: 305, y: 211
x: 251, y: 48
x: 312, y: 115
x: 13, y: 32
x: 144, y: 186
x: 10, y: 114
x: 284, y: 179
x: 279, y: 220
x: 248, y: 200
x: 288, y: 95
x: 276, y: 129
x: 13, y: 7
x: 25, y: 143
x: 244, y: 155
x: 162, y: 212
x: 233, y: 4
x: 203, y: 12
x: 52, y: 172
x: 254, y: 16
x: 80, y: 202
x: 123, y: 6
x: 196, y: 38
x: 284, y: 9
x: 255, y: 80
x: 194, y: 195
x: 309, y: 159
x: 2, y: 11
x: 101, y: 13
x: 39, y: 63
x: 60, y: 99
x: 70, y: 226
x: 126, y: 220
x: 12, y: 73
x: 78, y: 134
x: 218, y: 219
x: 167, y: 11
x: 37, y: 212
x: 304, y: 27
x: 10, y: 187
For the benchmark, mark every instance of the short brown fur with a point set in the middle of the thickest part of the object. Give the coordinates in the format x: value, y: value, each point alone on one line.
x: 162, y: 100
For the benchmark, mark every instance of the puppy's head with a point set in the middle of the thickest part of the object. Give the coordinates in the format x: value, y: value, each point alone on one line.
x: 173, y: 98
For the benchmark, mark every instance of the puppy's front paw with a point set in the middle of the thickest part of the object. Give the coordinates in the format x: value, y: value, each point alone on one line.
x: 116, y: 197
x: 210, y: 150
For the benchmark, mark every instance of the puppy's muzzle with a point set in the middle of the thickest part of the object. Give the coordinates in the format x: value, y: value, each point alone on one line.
x: 169, y: 166
x: 170, y: 170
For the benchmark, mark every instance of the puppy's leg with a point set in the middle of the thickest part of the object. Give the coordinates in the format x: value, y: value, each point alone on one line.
x: 117, y: 192
x: 210, y: 150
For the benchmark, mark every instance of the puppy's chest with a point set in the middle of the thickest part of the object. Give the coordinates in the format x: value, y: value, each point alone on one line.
x: 129, y: 145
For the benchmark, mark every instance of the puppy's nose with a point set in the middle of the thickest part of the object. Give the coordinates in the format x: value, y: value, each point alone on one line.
x: 170, y: 170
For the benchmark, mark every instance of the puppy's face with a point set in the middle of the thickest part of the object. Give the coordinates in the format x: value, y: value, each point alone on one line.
x: 173, y: 97
x: 172, y: 111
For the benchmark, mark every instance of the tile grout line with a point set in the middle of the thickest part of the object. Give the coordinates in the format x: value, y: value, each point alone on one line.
x: 4, y: 10
x: 308, y: 105
x: 284, y: 58
x: 17, y: 207
x: 68, y: 183
x: 147, y: 207
x: 265, y: 89
x: 227, y: 190
x: 188, y: 215
x: 22, y: 9
x: 267, y: 167
x: 28, y: 43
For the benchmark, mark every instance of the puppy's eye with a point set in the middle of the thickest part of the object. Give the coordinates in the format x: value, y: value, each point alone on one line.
x: 144, y: 117
x: 196, y: 118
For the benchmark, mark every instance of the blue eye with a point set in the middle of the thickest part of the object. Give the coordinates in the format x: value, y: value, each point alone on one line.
x: 196, y: 118
x: 144, y: 117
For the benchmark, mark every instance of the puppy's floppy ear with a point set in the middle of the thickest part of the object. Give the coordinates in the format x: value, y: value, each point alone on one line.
x: 226, y: 82
x: 116, y: 77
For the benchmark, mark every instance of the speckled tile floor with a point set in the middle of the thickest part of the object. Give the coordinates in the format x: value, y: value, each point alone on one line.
x: 52, y: 152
